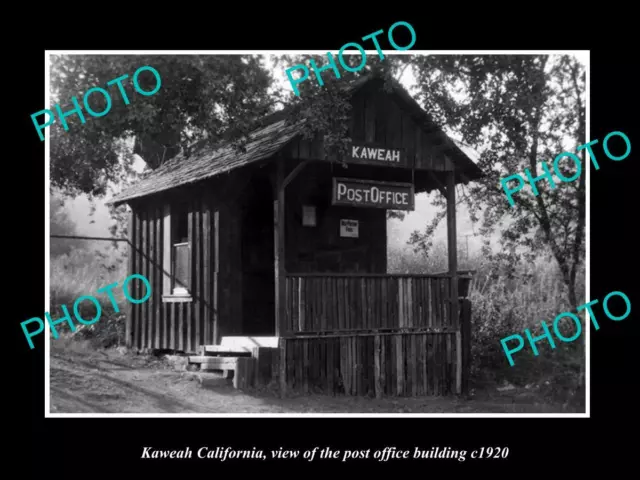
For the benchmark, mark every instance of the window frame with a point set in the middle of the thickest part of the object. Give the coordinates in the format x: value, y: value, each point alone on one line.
x: 170, y: 293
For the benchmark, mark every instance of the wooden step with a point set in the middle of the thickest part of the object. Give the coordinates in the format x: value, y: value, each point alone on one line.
x: 249, y: 342
x: 244, y: 375
x: 220, y: 350
x: 215, y: 363
x: 244, y: 370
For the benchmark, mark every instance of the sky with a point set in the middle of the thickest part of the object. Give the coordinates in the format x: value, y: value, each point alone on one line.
x: 398, y: 231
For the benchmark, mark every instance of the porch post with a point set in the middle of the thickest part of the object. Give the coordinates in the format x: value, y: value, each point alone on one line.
x: 279, y: 271
x: 278, y: 231
x: 132, y: 253
x: 453, y: 273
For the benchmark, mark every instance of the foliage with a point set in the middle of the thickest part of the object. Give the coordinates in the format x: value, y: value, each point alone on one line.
x: 326, y: 108
x: 83, y: 272
x: 201, y: 97
x: 402, y: 259
x: 60, y: 223
x: 515, y: 110
x: 509, y: 294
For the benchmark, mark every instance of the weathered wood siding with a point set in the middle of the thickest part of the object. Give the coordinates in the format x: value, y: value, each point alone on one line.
x: 256, y: 240
x: 393, y: 363
x: 171, y: 325
x: 216, y: 306
x: 377, y: 120
x: 229, y: 271
x: 338, y: 303
x: 320, y: 248
x: 403, y: 364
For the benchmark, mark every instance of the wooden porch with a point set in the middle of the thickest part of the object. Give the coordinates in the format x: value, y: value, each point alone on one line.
x: 352, y: 303
x: 374, y: 334
x: 370, y: 335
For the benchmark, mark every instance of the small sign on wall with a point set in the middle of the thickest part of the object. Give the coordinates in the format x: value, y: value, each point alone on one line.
x: 348, y: 228
x: 308, y: 216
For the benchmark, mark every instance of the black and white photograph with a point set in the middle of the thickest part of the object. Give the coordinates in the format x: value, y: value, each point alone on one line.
x: 286, y: 233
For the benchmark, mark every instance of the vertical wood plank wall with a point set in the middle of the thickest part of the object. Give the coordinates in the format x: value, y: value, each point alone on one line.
x: 379, y: 363
x: 394, y: 364
x: 321, y: 303
x: 374, y: 335
x: 378, y: 120
x: 321, y: 248
x: 182, y: 326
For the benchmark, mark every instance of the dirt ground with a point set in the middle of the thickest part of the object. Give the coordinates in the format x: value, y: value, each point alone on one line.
x: 84, y: 380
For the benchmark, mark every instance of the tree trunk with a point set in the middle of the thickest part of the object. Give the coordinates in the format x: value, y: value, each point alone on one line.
x: 581, y: 193
x: 573, y: 299
x: 568, y: 268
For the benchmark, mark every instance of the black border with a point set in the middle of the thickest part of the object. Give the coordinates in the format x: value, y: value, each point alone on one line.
x: 80, y: 447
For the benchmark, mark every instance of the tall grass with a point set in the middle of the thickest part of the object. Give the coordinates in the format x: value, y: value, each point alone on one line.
x: 83, y: 272
x: 504, y: 305
x: 509, y: 295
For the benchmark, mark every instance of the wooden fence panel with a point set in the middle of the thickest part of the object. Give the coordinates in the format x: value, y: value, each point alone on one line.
x: 373, y: 364
x: 351, y: 303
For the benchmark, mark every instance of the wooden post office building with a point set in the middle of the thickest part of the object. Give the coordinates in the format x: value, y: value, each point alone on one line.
x: 282, y: 249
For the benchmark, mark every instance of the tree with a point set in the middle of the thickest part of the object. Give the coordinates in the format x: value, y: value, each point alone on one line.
x: 61, y: 224
x: 326, y: 108
x: 518, y: 110
x: 200, y: 98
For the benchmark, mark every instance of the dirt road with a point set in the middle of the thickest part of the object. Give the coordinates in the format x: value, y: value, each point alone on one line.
x: 107, y: 381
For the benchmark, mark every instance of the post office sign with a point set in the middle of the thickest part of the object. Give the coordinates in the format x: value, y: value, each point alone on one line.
x: 368, y: 193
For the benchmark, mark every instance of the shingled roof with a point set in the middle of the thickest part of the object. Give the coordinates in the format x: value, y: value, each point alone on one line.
x: 207, y: 163
x: 264, y: 142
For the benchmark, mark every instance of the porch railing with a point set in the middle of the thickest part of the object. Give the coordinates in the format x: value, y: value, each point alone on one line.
x: 324, y: 303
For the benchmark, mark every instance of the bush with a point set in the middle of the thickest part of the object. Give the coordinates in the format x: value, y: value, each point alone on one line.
x: 508, y: 295
x: 82, y: 272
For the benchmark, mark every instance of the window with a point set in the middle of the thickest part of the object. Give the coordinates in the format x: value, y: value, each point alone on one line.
x: 180, y: 251
x: 177, y: 253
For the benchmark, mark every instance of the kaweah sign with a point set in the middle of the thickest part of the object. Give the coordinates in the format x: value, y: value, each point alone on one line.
x: 368, y: 193
x: 372, y: 155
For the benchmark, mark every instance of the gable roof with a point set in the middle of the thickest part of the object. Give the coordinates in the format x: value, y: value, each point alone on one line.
x: 207, y: 163
x: 269, y: 139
